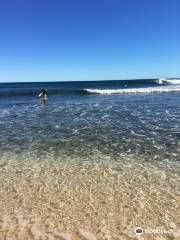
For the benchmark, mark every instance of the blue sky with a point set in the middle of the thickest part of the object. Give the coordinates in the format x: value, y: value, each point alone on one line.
x: 65, y: 40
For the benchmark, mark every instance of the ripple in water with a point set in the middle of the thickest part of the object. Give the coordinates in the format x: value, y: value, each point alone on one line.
x: 92, y: 168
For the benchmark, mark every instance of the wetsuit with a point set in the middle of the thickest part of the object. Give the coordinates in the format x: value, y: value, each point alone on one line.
x: 44, y: 92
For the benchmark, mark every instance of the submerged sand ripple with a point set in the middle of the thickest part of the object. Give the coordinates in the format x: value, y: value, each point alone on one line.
x: 66, y: 198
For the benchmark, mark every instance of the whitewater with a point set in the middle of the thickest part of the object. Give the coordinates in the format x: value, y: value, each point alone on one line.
x: 163, y: 86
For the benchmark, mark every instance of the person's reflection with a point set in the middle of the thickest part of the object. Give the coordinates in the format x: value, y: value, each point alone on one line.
x: 45, y: 101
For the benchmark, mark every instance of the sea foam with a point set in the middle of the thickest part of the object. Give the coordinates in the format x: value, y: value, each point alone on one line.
x: 168, y: 81
x: 134, y: 90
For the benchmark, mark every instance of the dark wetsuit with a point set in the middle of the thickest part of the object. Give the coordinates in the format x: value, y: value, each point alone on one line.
x: 44, y: 92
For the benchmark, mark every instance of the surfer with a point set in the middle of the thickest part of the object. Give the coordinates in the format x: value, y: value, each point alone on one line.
x: 43, y: 93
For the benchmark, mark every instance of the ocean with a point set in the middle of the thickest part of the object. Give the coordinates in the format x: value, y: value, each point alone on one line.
x: 97, y: 159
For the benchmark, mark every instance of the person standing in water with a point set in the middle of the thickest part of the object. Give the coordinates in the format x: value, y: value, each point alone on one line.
x: 44, y: 93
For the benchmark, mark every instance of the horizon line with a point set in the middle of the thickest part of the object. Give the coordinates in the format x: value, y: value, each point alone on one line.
x: 54, y: 81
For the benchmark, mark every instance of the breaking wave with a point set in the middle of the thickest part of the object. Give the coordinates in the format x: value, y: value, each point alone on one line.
x: 168, y: 81
x: 133, y: 90
x: 90, y: 87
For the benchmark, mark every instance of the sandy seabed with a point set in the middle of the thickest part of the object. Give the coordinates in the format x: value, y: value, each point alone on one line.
x: 63, y: 198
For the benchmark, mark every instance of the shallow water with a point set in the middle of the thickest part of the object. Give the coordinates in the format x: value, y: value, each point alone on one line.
x: 100, y: 165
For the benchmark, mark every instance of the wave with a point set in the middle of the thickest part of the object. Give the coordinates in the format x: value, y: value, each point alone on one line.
x: 132, y: 90
x: 90, y: 87
x: 168, y: 81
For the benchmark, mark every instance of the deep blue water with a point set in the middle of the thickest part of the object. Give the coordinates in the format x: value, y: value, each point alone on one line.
x: 70, y: 88
x: 77, y: 88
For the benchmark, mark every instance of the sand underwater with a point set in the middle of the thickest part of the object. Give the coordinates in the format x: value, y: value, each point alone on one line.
x: 70, y: 199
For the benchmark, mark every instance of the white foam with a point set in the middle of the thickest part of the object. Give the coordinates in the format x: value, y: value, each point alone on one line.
x: 134, y: 90
x: 174, y: 81
x: 170, y: 81
x: 4, y: 113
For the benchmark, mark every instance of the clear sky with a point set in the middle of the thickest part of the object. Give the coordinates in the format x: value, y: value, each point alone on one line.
x: 64, y: 40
